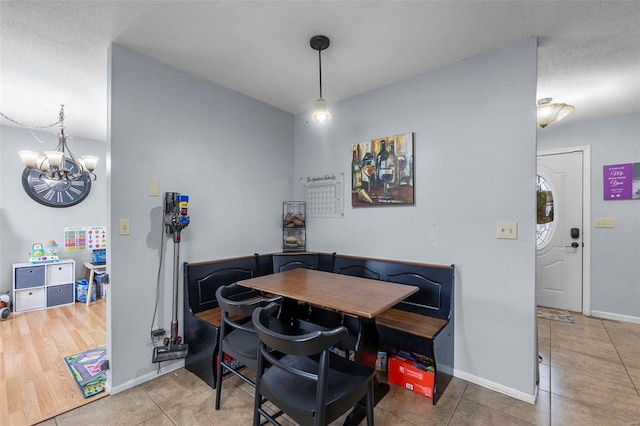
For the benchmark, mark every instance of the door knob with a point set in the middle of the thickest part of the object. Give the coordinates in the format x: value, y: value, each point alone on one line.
x: 574, y: 245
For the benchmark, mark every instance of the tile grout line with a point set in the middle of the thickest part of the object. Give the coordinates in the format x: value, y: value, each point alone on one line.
x: 622, y: 361
x: 594, y: 356
x: 571, y: 398
x: 453, y: 412
x: 157, y: 405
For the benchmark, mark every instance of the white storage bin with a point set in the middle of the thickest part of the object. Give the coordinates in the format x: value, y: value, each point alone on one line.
x: 60, y: 273
x: 26, y: 300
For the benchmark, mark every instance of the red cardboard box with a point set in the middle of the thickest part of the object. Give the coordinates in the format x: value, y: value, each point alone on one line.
x: 403, y: 373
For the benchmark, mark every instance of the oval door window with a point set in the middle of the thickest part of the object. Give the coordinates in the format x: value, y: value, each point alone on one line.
x: 545, y: 223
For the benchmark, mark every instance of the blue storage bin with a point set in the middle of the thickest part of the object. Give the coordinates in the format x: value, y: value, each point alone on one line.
x: 82, y: 286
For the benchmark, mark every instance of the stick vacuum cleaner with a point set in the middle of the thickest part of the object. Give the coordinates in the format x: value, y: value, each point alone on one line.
x: 175, y: 220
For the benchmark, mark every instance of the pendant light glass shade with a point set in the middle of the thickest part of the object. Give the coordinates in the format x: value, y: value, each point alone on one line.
x: 89, y: 162
x: 29, y: 158
x: 549, y: 113
x: 54, y: 157
x: 321, y: 111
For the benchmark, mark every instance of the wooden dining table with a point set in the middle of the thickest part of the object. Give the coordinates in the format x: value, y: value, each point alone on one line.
x: 362, y: 298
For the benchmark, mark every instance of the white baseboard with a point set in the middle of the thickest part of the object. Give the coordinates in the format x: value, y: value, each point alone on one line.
x: 531, y: 399
x: 164, y: 369
x: 615, y: 317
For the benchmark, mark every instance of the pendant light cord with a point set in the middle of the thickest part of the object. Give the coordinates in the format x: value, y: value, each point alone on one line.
x: 31, y: 128
x: 320, y: 69
x: 60, y: 120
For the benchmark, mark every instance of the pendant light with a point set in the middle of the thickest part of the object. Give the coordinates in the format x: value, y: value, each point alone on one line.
x: 320, y: 108
x: 549, y: 113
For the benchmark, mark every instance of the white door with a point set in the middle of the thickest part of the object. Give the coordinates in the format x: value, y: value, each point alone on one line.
x: 559, y: 238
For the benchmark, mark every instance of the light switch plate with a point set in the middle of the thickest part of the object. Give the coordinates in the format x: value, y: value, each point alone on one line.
x: 508, y: 230
x: 605, y: 222
x: 154, y: 188
x: 124, y: 226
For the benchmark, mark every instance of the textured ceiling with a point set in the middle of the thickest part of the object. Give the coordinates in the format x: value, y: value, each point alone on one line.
x: 56, y: 52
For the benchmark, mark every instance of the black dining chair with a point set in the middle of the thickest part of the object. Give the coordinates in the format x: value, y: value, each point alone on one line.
x: 237, y: 337
x: 302, y: 377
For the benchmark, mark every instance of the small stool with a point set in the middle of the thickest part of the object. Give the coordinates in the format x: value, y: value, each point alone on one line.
x: 91, y: 269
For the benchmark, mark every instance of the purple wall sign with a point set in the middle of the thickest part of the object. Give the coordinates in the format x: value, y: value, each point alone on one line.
x: 617, y: 181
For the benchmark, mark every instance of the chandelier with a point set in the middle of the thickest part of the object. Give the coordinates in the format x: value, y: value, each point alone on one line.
x: 61, y: 164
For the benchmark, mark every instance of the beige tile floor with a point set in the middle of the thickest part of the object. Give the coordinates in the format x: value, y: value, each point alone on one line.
x: 590, y: 375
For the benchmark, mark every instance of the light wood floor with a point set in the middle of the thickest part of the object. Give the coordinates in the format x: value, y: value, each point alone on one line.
x: 35, y: 383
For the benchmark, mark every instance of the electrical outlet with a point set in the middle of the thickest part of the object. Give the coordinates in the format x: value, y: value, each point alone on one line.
x: 157, y: 334
x: 508, y: 230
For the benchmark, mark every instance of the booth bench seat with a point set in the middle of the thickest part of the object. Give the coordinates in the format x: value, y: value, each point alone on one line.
x: 423, y: 322
x: 408, y: 322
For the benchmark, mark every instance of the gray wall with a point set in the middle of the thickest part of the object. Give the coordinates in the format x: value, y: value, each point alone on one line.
x: 231, y: 154
x: 475, y: 149
x: 615, y: 269
x: 23, y: 221
x: 234, y: 157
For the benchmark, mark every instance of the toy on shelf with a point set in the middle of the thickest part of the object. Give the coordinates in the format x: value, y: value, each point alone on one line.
x: 38, y: 254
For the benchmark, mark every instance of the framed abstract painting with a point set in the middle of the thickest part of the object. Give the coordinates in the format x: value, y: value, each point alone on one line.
x: 382, y: 171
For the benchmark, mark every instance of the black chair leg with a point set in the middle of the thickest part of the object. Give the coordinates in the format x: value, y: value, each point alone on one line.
x: 257, y: 400
x: 214, y: 367
x: 220, y: 372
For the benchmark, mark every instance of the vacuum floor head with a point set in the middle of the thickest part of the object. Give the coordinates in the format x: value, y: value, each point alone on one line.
x: 169, y: 352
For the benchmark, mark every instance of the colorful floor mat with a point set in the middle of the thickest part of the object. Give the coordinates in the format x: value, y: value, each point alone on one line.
x: 555, y: 314
x: 85, y: 369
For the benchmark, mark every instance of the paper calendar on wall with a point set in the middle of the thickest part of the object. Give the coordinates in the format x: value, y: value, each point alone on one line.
x: 324, y: 194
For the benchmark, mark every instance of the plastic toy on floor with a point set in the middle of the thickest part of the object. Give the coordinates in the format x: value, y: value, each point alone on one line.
x: 5, y: 309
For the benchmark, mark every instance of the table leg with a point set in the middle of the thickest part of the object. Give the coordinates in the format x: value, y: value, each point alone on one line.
x: 366, y: 353
x: 89, y: 288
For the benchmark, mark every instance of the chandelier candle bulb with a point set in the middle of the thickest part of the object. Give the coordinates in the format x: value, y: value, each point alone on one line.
x: 43, y: 164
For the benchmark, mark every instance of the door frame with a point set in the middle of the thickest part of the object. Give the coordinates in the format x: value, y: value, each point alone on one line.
x: 586, y: 218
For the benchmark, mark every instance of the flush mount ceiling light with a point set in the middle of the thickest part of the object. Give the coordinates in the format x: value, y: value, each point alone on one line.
x: 549, y: 113
x: 320, y: 108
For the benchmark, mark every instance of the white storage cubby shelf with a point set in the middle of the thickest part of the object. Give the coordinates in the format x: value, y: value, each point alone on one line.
x: 39, y: 286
